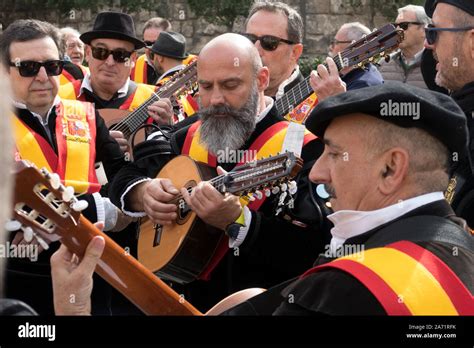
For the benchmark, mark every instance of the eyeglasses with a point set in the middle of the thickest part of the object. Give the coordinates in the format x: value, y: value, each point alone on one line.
x: 431, y: 32
x: 149, y: 43
x: 336, y: 42
x: 405, y: 25
x: 30, y: 68
x: 120, y: 55
x: 268, y: 42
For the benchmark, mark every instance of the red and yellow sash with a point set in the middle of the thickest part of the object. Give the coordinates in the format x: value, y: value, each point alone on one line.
x: 268, y: 143
x: 71, y: 91
x: 139, y: 71
x: 75, y: 133
x: 407, y: 280
x: 66, y: 77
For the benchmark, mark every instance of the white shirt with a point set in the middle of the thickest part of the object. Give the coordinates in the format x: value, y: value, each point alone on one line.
x: 285, y: 83
x: 351, y: 223
x: 86, y: 84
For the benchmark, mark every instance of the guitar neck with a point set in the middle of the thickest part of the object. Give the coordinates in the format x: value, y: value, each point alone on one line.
x: 298, y: 93
x: 128, y: 276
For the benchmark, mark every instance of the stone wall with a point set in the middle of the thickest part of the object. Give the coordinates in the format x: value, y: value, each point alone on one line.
x: 322, y: 18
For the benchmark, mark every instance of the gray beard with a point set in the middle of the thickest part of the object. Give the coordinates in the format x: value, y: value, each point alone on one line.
x: 230, y: 132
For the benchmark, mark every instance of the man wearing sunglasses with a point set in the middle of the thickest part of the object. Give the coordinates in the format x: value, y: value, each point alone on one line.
x: 327, y: 82
x: 111, y: 53
x: 66, y: 137
x: 405, y: 65
x: 144, y: 71
x: 451, y: 38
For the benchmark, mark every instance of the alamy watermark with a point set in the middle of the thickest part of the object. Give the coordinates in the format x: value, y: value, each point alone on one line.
x: 355, y: 250
x: 405, y: 109
x: 236, y: 156
x: 9, y: 250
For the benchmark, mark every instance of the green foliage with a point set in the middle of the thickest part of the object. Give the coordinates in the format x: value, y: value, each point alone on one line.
x: 65, y: 6
x: 307, y: 64
x: 221, y: 12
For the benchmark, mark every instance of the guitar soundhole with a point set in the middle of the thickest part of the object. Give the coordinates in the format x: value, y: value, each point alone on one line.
x: 184, y: 212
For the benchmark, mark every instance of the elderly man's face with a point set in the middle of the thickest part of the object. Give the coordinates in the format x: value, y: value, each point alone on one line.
x: 75, y: 49
x: 281, y: 61
x: 414, y: 35
x: 452, y: 50
x: 349, y: 173
x: 109, y: 75
x: 37, y: 92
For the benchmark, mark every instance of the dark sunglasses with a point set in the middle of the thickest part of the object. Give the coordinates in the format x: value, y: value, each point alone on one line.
x: 431, y: 32
x: 405, y: 25
x: 149, y: 43
x: 119, y: 55
x: 268, y: 42
x: 30, y: 68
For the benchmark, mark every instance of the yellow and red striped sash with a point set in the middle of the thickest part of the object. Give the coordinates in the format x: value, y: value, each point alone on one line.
x: 407, y: 279
x: 140, y: 96
x: 139, y: 71
x: 75, y: 133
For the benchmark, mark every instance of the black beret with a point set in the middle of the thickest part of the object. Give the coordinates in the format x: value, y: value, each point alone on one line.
x: 403, y: 105
x: 465, y: 5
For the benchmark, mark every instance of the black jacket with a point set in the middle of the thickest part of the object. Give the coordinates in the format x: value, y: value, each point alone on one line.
x: 334, y: 292
x: 463, y: 203
x: 274, y: 249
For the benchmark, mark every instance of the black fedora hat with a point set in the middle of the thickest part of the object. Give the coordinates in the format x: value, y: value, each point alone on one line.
x: 113, y: 25
x: 170, y: 44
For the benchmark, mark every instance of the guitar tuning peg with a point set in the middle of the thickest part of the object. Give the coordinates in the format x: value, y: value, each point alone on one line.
x: 79, y: 205
x: 275, y: 190
x: 55, y: 181
x: 12, y: 225
x: 267, y: 193
x: 27, y: 234
x: 284, y: 187
x: 42, y: 242
x: 68, y: 193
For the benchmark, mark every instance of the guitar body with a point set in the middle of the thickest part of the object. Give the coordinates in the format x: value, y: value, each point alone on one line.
x: 180, y: 252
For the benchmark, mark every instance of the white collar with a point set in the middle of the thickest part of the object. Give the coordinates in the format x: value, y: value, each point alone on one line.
x: 44, y: 121
x: 86, y: 84
x: 173, y: 69
x: 351, y: 223
x: 289, y: 80
x: 268, y: 106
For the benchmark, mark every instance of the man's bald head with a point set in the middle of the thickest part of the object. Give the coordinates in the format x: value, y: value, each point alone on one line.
x: 235, y: 47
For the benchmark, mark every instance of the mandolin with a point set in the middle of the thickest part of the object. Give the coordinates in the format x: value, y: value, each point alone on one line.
x: 374, y: 46
x: 182, y: 83
x: 180, y: 252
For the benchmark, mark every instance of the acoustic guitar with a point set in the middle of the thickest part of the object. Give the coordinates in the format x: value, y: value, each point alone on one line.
x: 50, y: 211
x: 180, y: 252
x: 182, y: 83
x: 371, y: 48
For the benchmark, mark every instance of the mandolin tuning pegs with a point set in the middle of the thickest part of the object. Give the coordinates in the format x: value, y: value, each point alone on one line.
x: 252, y: 198
x: 79, y: 205
x: 68, y: 193
x: 55, y: 180
x: 292, y: 187
x: 12, y: 225
x: 259, y: 194
x: 268, y: 193
x: 275, y: 190
x: 284, y: 187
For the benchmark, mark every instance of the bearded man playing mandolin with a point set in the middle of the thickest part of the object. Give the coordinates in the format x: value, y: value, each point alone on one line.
x: 234, y: 116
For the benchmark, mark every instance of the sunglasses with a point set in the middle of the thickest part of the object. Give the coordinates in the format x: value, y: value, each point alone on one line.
x: 120, y: 55
x: 405, y: 25
x: 431, y: 32
x: 149, y: 43
x: 268, y: 42
x: 30, y: 68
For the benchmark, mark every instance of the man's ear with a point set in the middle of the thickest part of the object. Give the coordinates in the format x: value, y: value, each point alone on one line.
x: 296, y: 52
x: 263, y: 78
x: 471, y: 41
x: 87, y: 53
x: 394, y: 169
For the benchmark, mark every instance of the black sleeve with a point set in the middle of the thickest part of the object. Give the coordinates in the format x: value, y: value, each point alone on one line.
x: 278, y: 244
x: 329, y: 292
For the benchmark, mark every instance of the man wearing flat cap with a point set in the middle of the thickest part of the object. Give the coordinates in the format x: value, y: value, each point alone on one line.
x: 397, y: 247
x: 451, y: 38
x: 111, y: 53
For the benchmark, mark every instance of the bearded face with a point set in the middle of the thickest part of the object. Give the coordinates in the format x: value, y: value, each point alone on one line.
x: 225, y: 128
